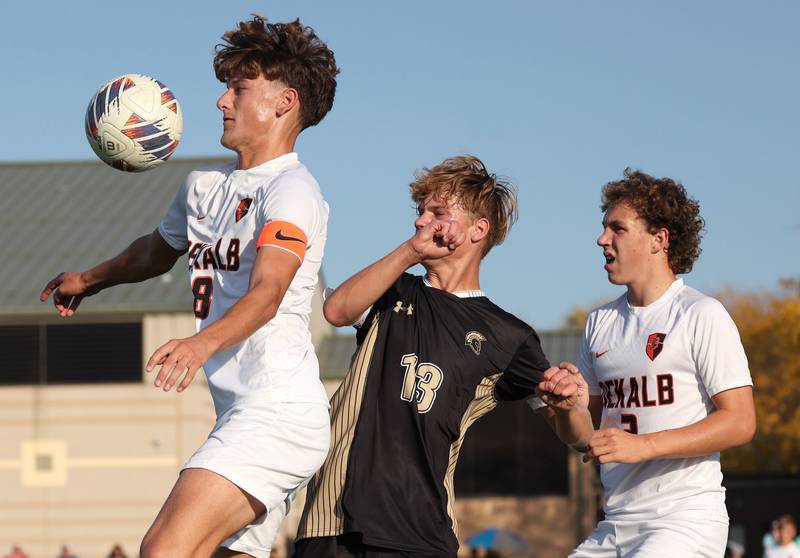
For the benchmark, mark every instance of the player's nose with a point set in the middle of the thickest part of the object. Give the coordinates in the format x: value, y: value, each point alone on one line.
x: 223, y: 101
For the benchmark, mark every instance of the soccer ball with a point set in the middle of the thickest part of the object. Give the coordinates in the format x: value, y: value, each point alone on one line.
x: 134, y: 122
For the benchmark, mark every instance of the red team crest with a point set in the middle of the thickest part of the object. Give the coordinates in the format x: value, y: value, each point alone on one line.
x: 654, y: 344
x: 244, y: 207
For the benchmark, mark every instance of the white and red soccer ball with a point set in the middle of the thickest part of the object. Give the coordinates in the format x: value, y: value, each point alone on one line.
x: 134, y: 123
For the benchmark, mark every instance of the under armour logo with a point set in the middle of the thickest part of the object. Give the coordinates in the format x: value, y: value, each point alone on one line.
x: 398, y: 307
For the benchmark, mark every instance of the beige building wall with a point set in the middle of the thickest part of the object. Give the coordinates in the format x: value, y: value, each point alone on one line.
x: 90, y: 465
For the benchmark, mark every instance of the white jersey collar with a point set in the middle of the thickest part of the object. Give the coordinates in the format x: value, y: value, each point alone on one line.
x: 669, y: 294
x: 272, y: 165
x: 459, y: 294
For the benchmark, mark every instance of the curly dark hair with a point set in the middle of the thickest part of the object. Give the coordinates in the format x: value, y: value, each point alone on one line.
x: 289, y: 52
x: 466, y: 180
x: 661, y: 203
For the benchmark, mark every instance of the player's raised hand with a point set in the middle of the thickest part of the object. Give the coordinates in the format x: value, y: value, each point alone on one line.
x: 563, y: 388
x: 437, y: 239
x: 68, y: 289
x: 178, y: 357
x: 612, y: 445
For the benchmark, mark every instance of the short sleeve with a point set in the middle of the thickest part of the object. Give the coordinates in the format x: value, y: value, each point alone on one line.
x: 717, y: 348
x: 524, y: 372
x: 295, y: 210
x: 173, y: 227
x: 584, y: 362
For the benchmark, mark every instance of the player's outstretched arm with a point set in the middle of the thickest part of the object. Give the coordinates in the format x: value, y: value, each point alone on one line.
x: 566, y: 395
x: 732, y: 424
x: 272, y: 274
x: 146, y: 257
x: 352, y: 298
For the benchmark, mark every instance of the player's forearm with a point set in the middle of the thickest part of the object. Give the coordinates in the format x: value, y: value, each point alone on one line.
x: 251, y: 312
x: 349, y: 301
x: 723, y: 429
x: 139, y: 261
x: 573, y: 427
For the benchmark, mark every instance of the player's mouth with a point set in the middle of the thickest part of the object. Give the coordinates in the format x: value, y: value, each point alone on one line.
x: 609, y: 261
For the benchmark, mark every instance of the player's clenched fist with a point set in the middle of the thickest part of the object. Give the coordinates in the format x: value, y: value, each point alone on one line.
x: 437, y: 239
x: 563, y: 388
x: 68, y: 289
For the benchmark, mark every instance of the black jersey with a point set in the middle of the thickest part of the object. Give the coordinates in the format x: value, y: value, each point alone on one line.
x: 428, y: 364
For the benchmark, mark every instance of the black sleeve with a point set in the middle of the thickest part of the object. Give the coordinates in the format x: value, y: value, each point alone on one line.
x: 524, y: 372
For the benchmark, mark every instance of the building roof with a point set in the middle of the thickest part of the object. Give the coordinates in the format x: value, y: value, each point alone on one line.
x: 69, y: 216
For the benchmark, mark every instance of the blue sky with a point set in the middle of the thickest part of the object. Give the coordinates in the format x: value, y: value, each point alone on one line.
x: 560, y: 97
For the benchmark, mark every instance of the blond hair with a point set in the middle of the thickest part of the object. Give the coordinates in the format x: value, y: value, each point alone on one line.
x: 464, y: 181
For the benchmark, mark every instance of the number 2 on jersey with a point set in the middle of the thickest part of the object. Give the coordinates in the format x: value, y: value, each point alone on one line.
x: 420, y: 382
x: 631, y: 422
x: 202, y: 288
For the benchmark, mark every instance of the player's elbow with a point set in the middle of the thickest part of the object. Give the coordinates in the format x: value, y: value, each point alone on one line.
x: 744, y: 429
x: 334, y: 312
x: 748, y: 429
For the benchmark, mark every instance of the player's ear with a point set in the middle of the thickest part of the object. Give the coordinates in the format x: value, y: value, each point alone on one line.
x: 479, y: 229
x: 287, y: 100
x: 660, y: 241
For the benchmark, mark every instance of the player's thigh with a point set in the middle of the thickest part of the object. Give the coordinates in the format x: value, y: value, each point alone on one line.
x: 602, y: 543
x: 201, y: 511
x: 670, y: 537
x: 258, y: 538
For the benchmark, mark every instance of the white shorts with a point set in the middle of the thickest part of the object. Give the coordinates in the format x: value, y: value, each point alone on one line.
x: 677, y: 535
x: 270, y: 451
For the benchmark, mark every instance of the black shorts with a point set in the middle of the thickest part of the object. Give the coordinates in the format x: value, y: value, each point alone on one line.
x: 348, y: 546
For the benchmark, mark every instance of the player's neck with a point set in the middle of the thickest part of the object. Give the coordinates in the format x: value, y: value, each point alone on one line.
x: 648, y: 289
x: 453, y: 276
x: 270, y: 148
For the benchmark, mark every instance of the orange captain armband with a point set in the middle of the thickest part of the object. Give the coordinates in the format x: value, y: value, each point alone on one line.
x: 284, y: 235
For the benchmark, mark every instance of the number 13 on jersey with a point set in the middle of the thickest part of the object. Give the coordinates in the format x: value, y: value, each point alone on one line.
x: 420, y: 382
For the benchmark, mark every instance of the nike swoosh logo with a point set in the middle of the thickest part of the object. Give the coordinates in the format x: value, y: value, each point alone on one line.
x: 280, y: 236
x: 598, y: 355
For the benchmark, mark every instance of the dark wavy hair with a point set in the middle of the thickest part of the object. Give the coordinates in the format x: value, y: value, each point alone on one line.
x: 466, y: 181
x: 661, y: 203
x: 289, y: 52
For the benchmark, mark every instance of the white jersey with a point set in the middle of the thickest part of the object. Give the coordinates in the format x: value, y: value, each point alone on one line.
x: 222, y: 215
x: 656, y: 368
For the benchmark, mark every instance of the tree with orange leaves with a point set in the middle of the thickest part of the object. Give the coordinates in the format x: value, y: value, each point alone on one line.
x: 769, y: 324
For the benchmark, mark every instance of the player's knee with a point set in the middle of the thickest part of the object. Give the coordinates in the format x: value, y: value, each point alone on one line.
x: 155, y: 546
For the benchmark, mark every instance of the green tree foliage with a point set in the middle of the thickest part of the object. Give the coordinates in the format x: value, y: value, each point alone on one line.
x: 769, y: 324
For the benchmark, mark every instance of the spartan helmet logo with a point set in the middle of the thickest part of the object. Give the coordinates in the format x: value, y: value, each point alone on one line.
x: 655, y: 343
x: 473, y: 340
